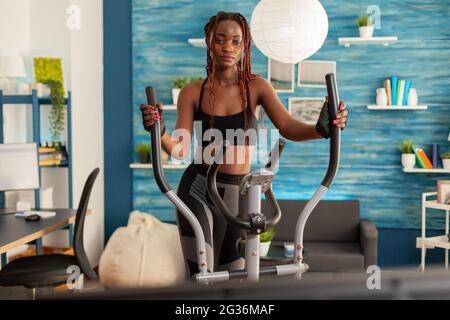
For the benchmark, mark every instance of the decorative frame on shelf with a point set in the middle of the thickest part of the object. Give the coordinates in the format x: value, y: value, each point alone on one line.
x: 311, y: 73
x: 306, y: 109
x: 443, y: 191
x: 277, y: 72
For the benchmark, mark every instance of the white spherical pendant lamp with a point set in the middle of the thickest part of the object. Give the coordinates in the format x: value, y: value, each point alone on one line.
x: 289, y: 31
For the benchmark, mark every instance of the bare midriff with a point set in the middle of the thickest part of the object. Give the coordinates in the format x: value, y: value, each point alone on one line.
x: 237, y: 160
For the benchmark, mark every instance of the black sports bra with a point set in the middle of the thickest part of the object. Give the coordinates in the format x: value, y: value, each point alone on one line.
x: 231, y: 123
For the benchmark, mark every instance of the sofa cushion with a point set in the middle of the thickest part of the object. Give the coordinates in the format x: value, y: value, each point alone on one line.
x: 333, y: 256
x: 330, y: 221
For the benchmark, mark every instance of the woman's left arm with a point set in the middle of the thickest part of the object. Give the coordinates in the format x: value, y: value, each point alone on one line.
x: 291, y: 128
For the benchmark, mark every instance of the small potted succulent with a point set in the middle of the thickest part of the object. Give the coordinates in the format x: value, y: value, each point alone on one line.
x: 265, y: 241
x: 143, y: 149
x: 446, y: 160
x: 365, y: 27
x: 408, y: 156
x: 178, y: 84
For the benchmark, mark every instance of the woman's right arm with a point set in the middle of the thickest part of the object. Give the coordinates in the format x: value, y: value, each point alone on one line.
x: 178, y: 143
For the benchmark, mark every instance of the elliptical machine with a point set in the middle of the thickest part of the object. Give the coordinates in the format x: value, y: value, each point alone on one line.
x: 252, y: 185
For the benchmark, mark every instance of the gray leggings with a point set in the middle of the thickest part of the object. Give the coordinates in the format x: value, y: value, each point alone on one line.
x: 221, y: 238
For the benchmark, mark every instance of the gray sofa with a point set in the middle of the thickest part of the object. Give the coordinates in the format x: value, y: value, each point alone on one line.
x: 335, y: 239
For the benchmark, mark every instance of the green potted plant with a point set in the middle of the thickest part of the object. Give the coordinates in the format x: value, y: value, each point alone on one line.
x: 446, y: 160
x: 365, y: 27
x: 178, y: 84
x: 265, y: 241
x: 408, y: 156
x: 143, y: 149
x: 49, y: 72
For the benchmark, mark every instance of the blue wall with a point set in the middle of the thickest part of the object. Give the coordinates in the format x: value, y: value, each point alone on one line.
x: 397, y: 247
x: 370, y: 168
x: 117, y: 114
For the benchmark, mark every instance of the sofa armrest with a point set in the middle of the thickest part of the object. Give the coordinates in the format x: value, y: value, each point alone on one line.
x: 369, y: 242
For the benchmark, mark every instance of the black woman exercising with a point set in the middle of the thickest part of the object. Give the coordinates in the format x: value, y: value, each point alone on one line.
x: 226, y: 99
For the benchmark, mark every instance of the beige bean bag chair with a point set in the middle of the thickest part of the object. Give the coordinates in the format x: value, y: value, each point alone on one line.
x: 146, y: 253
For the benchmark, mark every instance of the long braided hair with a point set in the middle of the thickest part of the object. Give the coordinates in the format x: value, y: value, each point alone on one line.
x: 244, y: 67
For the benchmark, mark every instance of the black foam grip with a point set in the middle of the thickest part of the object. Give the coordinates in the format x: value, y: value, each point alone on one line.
x: 156, y: 145
x: 279, y: 145
x: 333, y: 105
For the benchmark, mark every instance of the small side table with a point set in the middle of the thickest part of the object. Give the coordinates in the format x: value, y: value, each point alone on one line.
x: 442, y: 241
x: 275, y: 256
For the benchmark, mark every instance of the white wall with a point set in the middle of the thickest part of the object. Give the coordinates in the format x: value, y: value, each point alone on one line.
x: 14, y: 31
x: 87, y: 116
x: 15, y: 40
x: 49, y: 36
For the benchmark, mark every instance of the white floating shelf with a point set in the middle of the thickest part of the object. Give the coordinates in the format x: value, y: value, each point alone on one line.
x: 385, y: 41
x: 169, y: 107
x: 376, y: 107
x: 150, y: 166
x: 304, y: 85
x: 418, y: 170
x: 433, y: 204
x: 197, y: 42
x: 433, y: 242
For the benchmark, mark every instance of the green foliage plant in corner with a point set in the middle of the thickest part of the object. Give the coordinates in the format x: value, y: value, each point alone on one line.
x: 49, y: 72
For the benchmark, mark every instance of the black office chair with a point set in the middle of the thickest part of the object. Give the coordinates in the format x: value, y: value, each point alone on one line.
x: 48, y: 271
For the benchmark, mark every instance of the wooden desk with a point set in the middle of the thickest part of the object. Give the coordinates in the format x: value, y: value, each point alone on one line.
x: 16, y: 231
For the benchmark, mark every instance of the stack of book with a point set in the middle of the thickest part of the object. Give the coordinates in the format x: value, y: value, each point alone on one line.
x: 423, y: 161
x: 397, y: 91
x: 52, y: 156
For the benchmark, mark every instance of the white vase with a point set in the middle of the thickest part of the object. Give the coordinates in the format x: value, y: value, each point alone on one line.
x: 412, y: 99
x: 382, y: 98
x: 446, y: 164
x: 175, y: 93
x: 264, y: 248
x: 366, y: 32
x: 408, y: 160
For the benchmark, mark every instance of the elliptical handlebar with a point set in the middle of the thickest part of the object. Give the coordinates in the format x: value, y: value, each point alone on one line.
x: 256, y: 182
x: 274, y: 155
x: 274, y: 159
x: 155, y: 141
x: 214, y: 193
x: 274, y: 208
x: 335, y: 133
x: 333, y: 164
